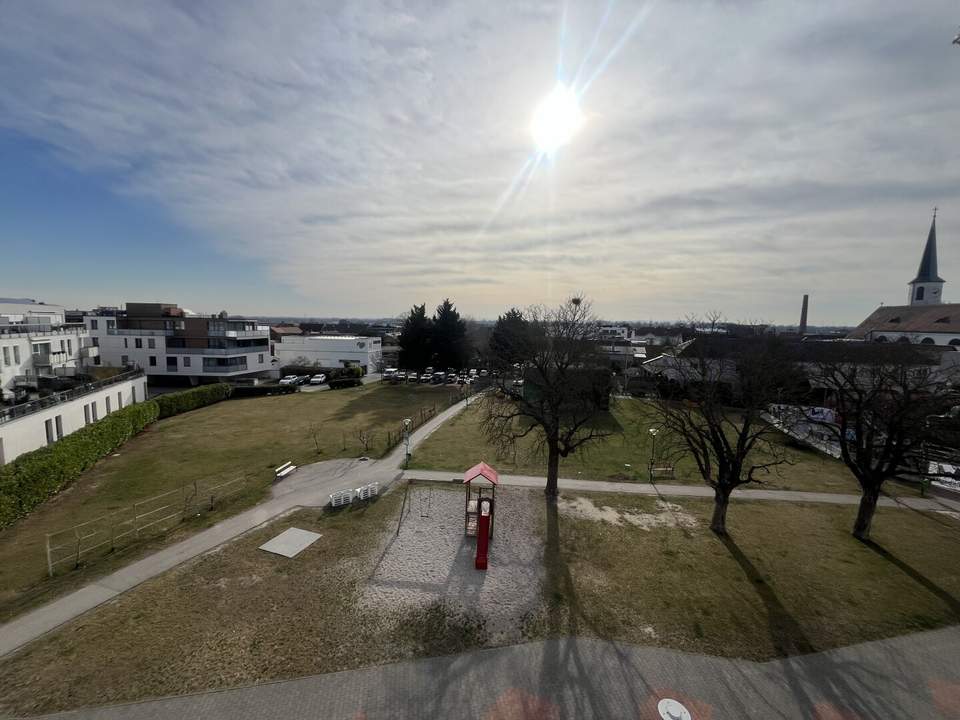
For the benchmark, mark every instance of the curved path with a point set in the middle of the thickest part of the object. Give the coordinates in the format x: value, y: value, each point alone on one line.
x: 897, y: 679
x: 309, y: 486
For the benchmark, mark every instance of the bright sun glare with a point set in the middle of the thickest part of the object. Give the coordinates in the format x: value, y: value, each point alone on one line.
x: 556, y: 119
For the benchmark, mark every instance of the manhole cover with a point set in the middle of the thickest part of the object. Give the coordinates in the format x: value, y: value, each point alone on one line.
x: 672, y: 710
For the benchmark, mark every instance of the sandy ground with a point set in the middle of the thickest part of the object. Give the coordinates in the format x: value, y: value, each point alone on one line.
x: 432, y: 560
x: 668, y: 515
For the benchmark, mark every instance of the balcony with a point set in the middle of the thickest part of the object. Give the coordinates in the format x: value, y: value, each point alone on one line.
x: 225, y: 369
x: 28, y: 408
x: 217, y: 351
x: 137, y: 331
x: 58, y: 357
x: 40, y: 331
x: 89, y: 352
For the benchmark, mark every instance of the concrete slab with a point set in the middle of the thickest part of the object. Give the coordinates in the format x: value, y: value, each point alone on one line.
x: 291, y: 542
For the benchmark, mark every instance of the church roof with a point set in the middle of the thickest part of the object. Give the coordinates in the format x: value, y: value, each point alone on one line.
x: 927, y: 272
x: 944, y: 318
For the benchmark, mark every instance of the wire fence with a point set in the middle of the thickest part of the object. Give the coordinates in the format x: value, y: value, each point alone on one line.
x: 68, y: 549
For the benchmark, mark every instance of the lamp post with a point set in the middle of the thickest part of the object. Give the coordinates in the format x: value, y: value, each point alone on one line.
x: 407, y: 422
x: 653, y: 450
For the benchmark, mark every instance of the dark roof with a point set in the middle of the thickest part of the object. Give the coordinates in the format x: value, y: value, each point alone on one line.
x: 721, y: 347
x: 914, y: 319
x: 927, y: 272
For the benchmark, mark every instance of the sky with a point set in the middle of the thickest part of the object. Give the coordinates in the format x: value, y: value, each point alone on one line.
x: 352, y: 159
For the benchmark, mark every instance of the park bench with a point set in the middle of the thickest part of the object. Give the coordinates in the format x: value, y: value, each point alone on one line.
x: 665, y: 471
x: 284, y: 470
x: 341, y: 498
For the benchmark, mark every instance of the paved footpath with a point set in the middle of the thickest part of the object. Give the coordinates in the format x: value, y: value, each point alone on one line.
x: 904, y: 678
x: 309, y: 486
x: 642, y: 488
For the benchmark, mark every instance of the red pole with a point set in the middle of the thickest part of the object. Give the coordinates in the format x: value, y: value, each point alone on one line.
x: 483, y: 541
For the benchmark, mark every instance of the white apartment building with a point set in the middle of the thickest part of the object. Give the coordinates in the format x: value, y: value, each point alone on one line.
x: 34, y: 424
x: 167, y: 342
x: 331, y: 351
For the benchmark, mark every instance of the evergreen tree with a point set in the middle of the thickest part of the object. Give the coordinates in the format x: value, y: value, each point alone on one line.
x: 449, y: 337
x: 510, y: 339
x: 415, y: 339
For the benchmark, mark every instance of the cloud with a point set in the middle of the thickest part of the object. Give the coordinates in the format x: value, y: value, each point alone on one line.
x: 734, y: 153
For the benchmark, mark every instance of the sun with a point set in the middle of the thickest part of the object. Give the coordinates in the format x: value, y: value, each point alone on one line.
x: 556, y: 120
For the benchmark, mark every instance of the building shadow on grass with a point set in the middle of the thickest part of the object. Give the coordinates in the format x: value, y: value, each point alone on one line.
x: 945, y: 597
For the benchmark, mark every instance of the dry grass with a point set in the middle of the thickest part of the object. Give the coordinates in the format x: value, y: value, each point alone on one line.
x: 461, y: 442
x: 230, y: 439
x: 790, y: 580
x: 235, y: 617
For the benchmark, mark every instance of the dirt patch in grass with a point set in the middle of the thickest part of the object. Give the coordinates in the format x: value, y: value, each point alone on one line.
x: 789, y: 580
x: 667, y: 514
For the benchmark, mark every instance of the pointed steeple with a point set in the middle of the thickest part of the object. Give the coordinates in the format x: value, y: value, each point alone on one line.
x: 927, y: 272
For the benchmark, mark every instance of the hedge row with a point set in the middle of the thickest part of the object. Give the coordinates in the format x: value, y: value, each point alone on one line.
x: 242, y: 391
x: 180, y: 402
x: 34, y: 476
x: 344, y: 383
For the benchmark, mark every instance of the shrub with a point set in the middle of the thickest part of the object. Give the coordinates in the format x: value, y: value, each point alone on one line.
x: 241, y: 391
x: 34, y: 476
x: 344, y: 383
x: 180, y: 402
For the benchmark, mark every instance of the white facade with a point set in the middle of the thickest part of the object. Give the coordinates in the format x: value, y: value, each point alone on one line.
x: 32, y: 312
x: 331, y: 351
x: 149, y: 350
x: 32, y: 425
x: 28, y: 351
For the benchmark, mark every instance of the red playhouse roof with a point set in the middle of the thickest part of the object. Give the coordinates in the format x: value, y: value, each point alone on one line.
x: 481, y: 469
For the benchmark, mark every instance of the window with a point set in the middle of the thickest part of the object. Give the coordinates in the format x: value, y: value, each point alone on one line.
x: 63, y: 345
x: 119, y: 401
x: 16, y: 355
x: 86, y: 414
x: 928, y: 341
x: 153, y: 361
x: 107, y: 402
x: 171, y: 363
x: 93, y: 324
x: 134, y: 391
x: 919, y: 295
x: 186, y: 362
x: 48, y: 426
x: 96, y: 342
x: 124, y: 359
x: 93, y: 410
x: 6, y: 356
x: 260, y: 358
x: 111, y: 324
x: 138, y: 342
x: 151, y: 344
x: 954, y: 342
x: 59, y: 423
x: 70, y: 344
x: 126, y: 343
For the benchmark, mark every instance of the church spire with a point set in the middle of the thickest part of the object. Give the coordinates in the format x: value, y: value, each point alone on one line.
x: 927, y: 272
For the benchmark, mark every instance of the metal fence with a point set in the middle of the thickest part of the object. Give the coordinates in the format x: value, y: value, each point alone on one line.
x: 153, y: 516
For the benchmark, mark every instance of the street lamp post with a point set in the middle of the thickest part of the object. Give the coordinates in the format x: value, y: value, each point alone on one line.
x: 407, y: 422
x: 653, y: 450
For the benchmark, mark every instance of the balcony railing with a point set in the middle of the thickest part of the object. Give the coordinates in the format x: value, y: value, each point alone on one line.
x: 217, y: 351
x: 135, y: 331
x: 27, y: 330
x: 28, y: 408
x: 224, y: 368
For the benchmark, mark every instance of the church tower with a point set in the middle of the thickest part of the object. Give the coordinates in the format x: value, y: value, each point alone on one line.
x: 927, y: 287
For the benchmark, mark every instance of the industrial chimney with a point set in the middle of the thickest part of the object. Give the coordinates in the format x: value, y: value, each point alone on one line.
x: 803, y: 316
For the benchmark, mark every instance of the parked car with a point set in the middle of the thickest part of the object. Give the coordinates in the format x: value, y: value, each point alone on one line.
x: 401, y: 376
x: 289, y: 380
x: 303, y: 380
x: 426, y: 377
x: 484, y: 373
x: 429, y: 370
x: 473, y: 372
x: 439, y: 378
x: 412, y: 377
x: 318, y: 379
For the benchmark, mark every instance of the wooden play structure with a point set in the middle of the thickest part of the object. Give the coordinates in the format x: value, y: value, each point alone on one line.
x: 481, y: 483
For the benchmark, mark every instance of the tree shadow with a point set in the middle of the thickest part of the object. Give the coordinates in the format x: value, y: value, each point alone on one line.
x: 945, y: 597
x: 786, y: 634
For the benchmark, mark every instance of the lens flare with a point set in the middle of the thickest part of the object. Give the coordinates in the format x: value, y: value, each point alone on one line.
x: 556, y: 120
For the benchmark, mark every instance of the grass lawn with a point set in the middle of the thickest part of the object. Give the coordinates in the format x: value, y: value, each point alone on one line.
x: 234, y: 617
x: 789, y: 580
x: 460, y: 443
x: 235, y: 438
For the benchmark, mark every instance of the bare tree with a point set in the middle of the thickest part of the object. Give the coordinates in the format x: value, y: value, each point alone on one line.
x: 712, y: 396
x: 883, y: 396
x: 558, y: 395
x: 365, y: 437
x: 316, y: 433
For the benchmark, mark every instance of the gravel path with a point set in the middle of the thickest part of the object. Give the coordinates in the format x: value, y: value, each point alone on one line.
x: 432, y: 560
